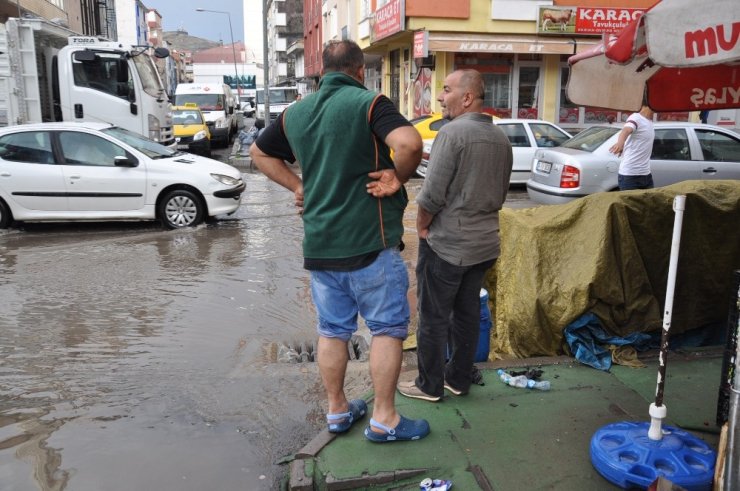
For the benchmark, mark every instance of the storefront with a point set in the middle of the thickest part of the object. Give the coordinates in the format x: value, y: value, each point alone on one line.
x: 524, y: 64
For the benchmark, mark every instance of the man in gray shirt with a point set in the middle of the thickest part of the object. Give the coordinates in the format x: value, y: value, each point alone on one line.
x: 465, y: 187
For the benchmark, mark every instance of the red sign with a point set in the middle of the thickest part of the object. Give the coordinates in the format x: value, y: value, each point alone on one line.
x: 421, y: 44
x: 608, y: 20
x: 389, y: 19
x: 694, y: 88
x: 584, y: 20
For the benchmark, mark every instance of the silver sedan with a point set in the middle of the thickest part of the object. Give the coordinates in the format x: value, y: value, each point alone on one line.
x: 584, y: 165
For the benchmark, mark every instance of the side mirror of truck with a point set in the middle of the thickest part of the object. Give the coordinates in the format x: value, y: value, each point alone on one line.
x: 85, y: 55
x: 161, y: 52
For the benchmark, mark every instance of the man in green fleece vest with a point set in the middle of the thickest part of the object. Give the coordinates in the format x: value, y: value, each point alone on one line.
x: 351, y: 197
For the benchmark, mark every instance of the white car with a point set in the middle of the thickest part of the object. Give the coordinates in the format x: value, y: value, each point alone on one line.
x: 526, y: 137
x: 99, y: 172
x: 584, y: 165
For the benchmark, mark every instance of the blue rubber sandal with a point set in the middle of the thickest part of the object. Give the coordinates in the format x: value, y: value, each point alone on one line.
x: 341, y: 422
x: 406, y: 430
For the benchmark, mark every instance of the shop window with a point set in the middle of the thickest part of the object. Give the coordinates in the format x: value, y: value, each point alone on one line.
x: 568, y: 113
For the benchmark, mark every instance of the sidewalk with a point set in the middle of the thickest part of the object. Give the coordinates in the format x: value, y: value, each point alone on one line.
x: 503, y: 438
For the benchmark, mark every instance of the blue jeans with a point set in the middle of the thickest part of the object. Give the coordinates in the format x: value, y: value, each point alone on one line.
x: 377, y: 292
x: 626, y: 183
x: 449, y: 312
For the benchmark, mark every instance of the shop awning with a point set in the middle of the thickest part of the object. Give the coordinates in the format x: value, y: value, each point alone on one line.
x: 499, y: 43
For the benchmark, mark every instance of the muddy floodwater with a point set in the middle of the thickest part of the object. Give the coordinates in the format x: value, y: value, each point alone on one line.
x: 136, y: 358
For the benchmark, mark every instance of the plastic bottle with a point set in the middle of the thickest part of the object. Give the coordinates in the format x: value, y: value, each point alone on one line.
x: 538, y: 384
x: 518, y: 381
x: 522, y: 382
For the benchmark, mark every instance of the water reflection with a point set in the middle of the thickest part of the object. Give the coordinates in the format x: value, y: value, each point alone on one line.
x: 116, y: 338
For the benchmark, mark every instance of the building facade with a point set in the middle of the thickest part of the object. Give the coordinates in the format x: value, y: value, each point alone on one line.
x: 520, y: 46
x: 284, y: 28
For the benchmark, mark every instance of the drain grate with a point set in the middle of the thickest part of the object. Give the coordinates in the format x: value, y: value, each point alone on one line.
x: 305, y: 351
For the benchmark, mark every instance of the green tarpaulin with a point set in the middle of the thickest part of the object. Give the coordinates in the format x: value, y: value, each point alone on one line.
x: 608, y: 253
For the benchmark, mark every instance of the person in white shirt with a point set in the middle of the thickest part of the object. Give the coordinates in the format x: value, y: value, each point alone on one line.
x: 635, y: 144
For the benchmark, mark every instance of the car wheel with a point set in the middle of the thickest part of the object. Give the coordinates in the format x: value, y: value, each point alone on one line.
x: 5, y: 216
x: 181, y: 208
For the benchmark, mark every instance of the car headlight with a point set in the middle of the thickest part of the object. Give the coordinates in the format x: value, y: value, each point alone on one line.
x: 221, y: 123
x: 199, y: 135
x: 228, y: 180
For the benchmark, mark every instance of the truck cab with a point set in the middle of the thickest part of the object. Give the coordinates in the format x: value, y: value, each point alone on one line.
x: 56, y: 75
x: 280, y: 98
x: 95, y: 75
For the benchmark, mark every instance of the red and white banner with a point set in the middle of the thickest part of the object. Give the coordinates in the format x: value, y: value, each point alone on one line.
x: 389, y: 19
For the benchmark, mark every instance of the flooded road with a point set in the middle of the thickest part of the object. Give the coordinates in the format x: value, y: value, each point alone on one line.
x: 132, y: 357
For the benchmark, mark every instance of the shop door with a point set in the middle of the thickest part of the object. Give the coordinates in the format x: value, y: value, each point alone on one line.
x: 528, y: 92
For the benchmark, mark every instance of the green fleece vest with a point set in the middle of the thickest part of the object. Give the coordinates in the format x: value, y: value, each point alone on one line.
x: 329, y: 133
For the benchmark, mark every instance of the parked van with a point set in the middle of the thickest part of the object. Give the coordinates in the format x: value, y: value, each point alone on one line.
x: 217, y: 103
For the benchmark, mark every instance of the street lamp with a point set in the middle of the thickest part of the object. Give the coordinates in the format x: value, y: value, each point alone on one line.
x: 233, y: 50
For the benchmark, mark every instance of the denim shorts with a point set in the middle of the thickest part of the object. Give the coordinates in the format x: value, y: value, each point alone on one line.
x: 377, y: 292
x: 626, y: 183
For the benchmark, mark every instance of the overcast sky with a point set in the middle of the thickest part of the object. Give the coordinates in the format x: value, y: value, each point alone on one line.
x: 178, y: 14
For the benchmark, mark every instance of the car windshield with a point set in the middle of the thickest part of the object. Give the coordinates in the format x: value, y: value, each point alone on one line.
x: 186, y: 116
x: 148, y: 147
x: 590, y: 139
x: 206, y: 102
x: 277, y: 96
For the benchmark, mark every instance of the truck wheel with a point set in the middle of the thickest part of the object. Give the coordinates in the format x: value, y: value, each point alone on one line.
x: 5, y: 216
x: 181, y: 208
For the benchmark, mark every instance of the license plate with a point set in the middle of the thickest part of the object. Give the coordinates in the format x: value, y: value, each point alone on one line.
x: 545, y: 167
x: 182, y: 147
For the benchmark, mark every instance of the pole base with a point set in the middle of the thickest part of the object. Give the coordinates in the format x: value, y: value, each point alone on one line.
x: 625, y: 455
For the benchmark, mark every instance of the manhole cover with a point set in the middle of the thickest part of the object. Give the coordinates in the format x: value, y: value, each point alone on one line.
x: 305, y: 351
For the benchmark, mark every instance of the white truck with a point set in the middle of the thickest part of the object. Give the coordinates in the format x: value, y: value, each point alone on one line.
x: 280, y: 98
x: 47, y: 73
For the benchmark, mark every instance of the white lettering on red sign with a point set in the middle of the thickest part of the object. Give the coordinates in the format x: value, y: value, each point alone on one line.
x: 715, y: 96
x: 620, y: 15
x: 486, y: 47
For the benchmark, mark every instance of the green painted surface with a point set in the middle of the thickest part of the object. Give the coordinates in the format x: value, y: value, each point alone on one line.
x: 523, y: 439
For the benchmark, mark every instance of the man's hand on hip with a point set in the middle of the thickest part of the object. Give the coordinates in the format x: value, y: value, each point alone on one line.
x: 386, y: 183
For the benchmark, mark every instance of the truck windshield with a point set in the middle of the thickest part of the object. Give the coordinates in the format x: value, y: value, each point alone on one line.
x: 149, y: 78
x: 206, y: 102
x: 278, y: 95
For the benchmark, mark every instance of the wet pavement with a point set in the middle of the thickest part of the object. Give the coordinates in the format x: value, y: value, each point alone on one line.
x: 132, y: 357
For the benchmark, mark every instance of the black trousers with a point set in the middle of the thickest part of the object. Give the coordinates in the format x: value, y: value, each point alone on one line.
x: 449, y: 312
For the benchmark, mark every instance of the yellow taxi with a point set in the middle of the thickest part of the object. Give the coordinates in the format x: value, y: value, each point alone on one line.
x: 190, y: 129
x: 429, y: 124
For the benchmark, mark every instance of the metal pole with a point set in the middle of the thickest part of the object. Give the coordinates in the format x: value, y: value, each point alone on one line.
x: 265, y: 64
x: 657, y: 409
x: 732, y: 460
x: 236, y: 72
x: 233, y: 48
